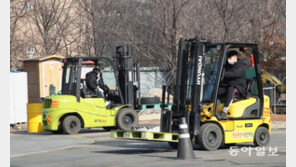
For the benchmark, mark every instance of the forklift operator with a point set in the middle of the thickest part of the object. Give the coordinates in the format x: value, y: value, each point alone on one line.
x: 91, y: 81
x: 234, y: 80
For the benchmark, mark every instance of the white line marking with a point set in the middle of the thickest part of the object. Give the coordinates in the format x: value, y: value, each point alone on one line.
x: 184, y: 135
x: 183, y: 126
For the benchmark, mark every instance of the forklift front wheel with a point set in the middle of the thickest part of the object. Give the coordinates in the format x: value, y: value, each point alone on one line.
x: 126, y: 118
x: 210, y: 136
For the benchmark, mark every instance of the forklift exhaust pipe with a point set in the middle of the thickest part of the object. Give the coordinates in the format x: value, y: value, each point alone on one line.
x: 185, y: 149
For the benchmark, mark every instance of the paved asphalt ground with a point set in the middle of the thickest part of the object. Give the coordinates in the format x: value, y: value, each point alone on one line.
x: 95, y: 148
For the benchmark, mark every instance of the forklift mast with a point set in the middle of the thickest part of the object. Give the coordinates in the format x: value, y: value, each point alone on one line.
x: 128, y: 75
x: 187, y: 89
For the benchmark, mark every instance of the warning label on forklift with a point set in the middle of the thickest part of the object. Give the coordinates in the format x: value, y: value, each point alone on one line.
x: 242, y: 135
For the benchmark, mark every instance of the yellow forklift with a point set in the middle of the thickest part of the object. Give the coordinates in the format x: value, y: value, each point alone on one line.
x: 200, y: 68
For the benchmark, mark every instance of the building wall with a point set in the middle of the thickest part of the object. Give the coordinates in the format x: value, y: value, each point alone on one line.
x: 39, y: 74
x: 18, y: 95
x: 32, y: 69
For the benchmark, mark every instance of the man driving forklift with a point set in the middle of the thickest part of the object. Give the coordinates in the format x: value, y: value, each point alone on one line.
x: 93, y: 84
x: 234, y: 81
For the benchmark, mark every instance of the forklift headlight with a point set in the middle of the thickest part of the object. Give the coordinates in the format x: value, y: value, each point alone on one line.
x: 54, y: 104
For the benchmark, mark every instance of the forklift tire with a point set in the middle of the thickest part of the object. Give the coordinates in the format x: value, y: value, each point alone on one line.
x: 126, y: 119
x: 108, y: 129
x: 71, y: 124
x: 262, y: 136
x: 174, y: 145
x: 210, y: 136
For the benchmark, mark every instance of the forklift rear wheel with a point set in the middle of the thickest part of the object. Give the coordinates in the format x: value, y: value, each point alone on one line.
x: 210, y: 136
x: 71, y: 124
x: 126, y: 118
x: 262, y: 136
x: 174, y: 145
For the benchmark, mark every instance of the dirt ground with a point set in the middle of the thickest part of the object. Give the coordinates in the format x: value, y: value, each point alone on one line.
x: 22, y: 126
x: 278, y: 117
x: 150, y: 122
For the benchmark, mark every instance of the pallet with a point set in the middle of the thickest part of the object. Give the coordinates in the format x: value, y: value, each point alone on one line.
x: 145, y: 135
x: 153, y: 106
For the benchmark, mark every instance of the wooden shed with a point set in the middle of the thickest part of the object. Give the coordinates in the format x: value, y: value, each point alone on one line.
x: 42, y: 72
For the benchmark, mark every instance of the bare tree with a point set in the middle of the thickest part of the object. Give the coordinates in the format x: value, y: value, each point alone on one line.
x: 51, y: 18
x: 97, y: 23
x: 153, y: 28
x: 227, y: 12
x: 17, y: 13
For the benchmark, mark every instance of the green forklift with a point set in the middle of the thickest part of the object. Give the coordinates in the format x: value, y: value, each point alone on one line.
x: 77, y: 107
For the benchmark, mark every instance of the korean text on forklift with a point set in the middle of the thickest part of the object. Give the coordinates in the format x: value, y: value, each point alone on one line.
x: 80, y: 107
x: 200, y: 70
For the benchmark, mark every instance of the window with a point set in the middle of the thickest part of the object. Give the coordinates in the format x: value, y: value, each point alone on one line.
x: 212, y: 56
x: 68, y: 71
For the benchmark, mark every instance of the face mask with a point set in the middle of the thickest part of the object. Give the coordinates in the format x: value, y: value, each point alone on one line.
x: 230, y: 61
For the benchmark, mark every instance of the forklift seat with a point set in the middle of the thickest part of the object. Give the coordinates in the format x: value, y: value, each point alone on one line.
x: 249, y: 90
x: 85, y: 92
x: 244, y: 107
x: 250, y: 87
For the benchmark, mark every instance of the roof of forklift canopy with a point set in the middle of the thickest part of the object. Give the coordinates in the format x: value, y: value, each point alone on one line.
x: 233, y: 44
x: 83, y: 58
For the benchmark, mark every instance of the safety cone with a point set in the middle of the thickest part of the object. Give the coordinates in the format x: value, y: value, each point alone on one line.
x: 185, y: 149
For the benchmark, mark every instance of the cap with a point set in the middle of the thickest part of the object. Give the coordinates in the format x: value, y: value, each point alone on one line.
x: 96, y: 69
x: 232, y: 53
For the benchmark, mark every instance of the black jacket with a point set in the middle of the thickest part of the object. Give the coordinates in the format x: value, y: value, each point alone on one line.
x: 235, y: 75
x: 91, y: 80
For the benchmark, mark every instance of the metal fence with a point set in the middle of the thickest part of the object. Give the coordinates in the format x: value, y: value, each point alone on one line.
x: 276, y: 104
x: 154, y: 77
x: 151, y: 77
